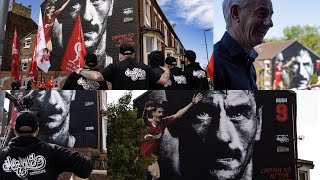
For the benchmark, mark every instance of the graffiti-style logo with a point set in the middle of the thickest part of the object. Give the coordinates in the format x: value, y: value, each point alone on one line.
x: 77, y: 49
x: 283, y: 138
x: 180, y: 79
x: 128, y: 11
x: 136, y: 74
x: 199, y: 74
x: 88, y: 84
x: 22, y: 166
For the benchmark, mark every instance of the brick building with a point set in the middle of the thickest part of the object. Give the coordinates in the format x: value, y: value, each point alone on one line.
x: 19, y: 17
x: 140, y: 23
x: 157, y: 32
x: 299, y: 64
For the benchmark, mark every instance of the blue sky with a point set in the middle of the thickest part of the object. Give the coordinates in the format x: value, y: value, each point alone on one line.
x: 191, y: 18
x: 286, y: 13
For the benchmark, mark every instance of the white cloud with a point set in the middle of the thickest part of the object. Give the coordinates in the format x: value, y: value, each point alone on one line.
x: 196, y: 11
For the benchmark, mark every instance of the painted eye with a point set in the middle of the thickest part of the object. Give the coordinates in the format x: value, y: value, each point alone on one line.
x: 239, y: 114
x: 96, y: 2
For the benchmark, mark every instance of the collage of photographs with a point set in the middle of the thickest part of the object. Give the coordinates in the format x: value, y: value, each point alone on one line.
x: 159, y: 90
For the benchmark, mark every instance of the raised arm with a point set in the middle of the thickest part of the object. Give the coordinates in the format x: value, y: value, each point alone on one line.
x: 289, y: 63
x: 93, y: 75
x: 164, y: 76
x: 64, y: 6
x: 147, y: 107
x: 195, y: 99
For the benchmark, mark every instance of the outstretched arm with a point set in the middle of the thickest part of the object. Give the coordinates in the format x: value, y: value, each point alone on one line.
x: 93, y: 75
x: 64, y: 6
x: 195, y: 99
x: 289, y: 63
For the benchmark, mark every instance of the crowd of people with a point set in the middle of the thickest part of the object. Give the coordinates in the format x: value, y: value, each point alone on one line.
x: 26, y: 84
x: 129, y: 73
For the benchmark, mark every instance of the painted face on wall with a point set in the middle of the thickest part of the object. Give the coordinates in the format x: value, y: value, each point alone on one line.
x: 228, y: 126
x: 301, y: 70
x: 94, y: 15
x: 54, y: 107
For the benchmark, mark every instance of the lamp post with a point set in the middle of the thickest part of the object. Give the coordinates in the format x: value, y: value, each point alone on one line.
x: 205, y: 40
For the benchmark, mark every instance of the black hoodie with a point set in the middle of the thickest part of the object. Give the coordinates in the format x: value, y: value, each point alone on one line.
x: 196, y: 77
x: 29, y: 158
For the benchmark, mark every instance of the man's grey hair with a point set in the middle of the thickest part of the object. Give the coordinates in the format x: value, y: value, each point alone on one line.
x: 226, y: 7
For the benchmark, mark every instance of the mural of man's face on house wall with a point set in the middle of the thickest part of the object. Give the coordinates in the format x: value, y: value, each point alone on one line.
x: 301, y: 71
x: 294, y: 70
x: 94, y: 16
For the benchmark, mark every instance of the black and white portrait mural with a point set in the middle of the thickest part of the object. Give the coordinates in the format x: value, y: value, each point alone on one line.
x: 105, y: 24
x: 227, y: 135
x: 294, y: 67
x: 68, y: 118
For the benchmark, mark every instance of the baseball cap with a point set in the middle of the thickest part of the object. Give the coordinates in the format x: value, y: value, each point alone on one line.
x: 27, y: 119
x: 171, y: 60
x: 90, y: 60
x: 126, y: 49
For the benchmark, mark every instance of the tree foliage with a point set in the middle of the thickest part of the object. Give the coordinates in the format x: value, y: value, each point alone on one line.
x: 124, y: 140
x: 307, y: 35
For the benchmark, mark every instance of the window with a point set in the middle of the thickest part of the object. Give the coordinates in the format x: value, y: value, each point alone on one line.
x: 303, y: 175
x: 160, y: 28
x: 172, y: 40
x: 165, y: 35
x: 169, y: 55
x: 159, y: 45
x: 27, y: 43
x: 155, y: 21
x: 147, y: 13
x: 149, y: 42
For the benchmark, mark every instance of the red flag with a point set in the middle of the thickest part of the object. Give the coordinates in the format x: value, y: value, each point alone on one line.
x: 73, y: 58
x: 210, y: 68
x: 15, y: 69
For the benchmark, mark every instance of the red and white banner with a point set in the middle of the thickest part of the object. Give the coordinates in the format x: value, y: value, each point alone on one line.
x: 210, y: 68
x: 15, y: 65
x: 40, y: 54
x: 73, y: 58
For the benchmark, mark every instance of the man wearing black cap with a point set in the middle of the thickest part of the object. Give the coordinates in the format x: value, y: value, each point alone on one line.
x: 78, y: 82
x: 178, y: 79
x: 127, y: 73
x: 28, y: 158
x: 195, y: 75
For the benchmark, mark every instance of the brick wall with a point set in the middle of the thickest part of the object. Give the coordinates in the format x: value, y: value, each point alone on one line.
x: 24, y: 26
x: 26, y: 53
x: 20, y: 10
